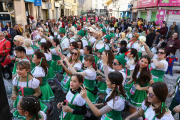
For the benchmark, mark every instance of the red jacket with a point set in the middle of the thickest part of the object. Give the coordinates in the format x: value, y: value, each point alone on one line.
x: 5, y: 48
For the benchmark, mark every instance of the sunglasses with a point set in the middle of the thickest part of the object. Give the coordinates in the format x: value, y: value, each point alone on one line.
x: 14, y: 40
x: 73, y: 53
x: 115, y: 63
x: 79, y: 44
x: 134, y: 36
x: 160, y: 52
x: 151, y: 95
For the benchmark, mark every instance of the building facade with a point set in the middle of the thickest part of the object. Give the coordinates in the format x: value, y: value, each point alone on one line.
x: 17, y: 11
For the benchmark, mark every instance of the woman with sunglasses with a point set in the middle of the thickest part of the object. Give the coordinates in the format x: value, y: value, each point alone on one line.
x: 154, y: 108
x: 141, y: 79
x: 158, y: 63
x: 89, y: 76
x: 73, y: 45
x: 75, y: 63
x: 80, y: 46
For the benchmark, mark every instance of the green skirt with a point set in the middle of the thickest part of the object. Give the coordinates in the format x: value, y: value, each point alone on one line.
x: 18, y: 116
x: 65, y: 83
x: 137, y: 98
x: 51, y: 73
x: 101, y: 87
x: 70, y: 116
x: 55, y: 67
x: 126, y: 86
x: 14, y: 69
x: 47, y: 93
x: 93, y: 98
x: 34, y: 47
x: 33, y: 65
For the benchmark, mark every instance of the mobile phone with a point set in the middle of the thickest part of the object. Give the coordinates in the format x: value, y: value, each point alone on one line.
x: 64, y: 103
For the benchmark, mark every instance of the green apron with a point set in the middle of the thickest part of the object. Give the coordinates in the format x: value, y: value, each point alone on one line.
x: 65, y: 82
x: 47, y: 94
x: 56, y: 68
x: 159, y: 74
x: 90, y: 85
x: 112, y: 115
x: 51, y: 74
x: 26, y: 91
x: 70, y: 116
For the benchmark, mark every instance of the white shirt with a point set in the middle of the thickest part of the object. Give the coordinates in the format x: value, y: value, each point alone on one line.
x: 84, y: 41
x: 64, y: 44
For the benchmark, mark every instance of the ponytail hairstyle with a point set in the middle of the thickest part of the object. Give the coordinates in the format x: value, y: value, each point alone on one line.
x: 49, y: 43
x: 110, y: 57
x: 89, y: 48
x: 117, y: 79
x: 161, y: 92
x: 45, y: 46
x: 43, y: 62
x: 31, y: 104
x: 135, y: 54
x: 145, y: 75
x: 90, y: 58
x: 56, y: 40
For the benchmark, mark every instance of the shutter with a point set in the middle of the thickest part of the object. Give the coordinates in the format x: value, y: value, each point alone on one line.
x: 174, y: 18
x: 143, y: 15
x: 153, y: 16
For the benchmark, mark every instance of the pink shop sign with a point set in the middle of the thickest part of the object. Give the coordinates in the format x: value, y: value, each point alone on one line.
x: 160, y: 17
x: 147, y: 3
x: 169, y: 3
x: 174, y: 12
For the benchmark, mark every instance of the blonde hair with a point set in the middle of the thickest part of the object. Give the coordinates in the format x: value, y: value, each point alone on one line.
x: 27, y: 42
x: 99, y: 33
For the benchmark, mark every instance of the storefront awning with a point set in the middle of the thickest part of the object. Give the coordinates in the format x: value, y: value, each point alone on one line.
x: 108, y: 2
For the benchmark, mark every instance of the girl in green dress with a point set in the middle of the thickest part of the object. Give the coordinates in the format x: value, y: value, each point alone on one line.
x: 75, y: 63
x: 55, y: 55
x: 159, y: 64
x: 141, y: 79
x: 25, y: 84
x: 154, y: 107
x: 29, y: 106
x: 75, y: 106
x: 45, y: 49
x: 40, y: 72
x: 115, y: 101
x: 89, y: 76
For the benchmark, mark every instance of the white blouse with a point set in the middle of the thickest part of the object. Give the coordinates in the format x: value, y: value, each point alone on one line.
x: 78, y: 100
x: 38, y: 72
x: 90, y: 75
x: 48, y: 56
x: 150, y: 113
x: 29, y: 51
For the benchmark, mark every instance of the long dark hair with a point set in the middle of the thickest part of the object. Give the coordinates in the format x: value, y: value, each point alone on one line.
x: 31, y: 104
x: 161, y: 91
x: 110, y: 57
x: 145, y: 75
x: 46, y: 47
x: 117, y: 79
x: 74, y: 44
x: 135, y: 54
x: 43, y: 64
x: 56, y: 40
x: 89, y: 48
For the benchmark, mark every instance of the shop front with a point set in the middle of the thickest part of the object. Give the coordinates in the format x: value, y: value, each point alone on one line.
x: 56, y: 10
x: 7, y: 12
x: 147, y: 9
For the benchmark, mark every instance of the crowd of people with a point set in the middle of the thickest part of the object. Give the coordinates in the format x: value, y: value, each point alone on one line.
x: 117, y: 61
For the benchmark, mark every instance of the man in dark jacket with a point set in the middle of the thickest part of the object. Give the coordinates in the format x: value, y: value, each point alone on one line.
x: 13, y: 34
x: 157, y: 36
x: 172, y: 44
x: 163, y: 30
x: 150, y: 38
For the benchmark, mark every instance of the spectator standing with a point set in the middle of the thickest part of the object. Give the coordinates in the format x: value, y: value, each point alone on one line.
x: 171, y: 32
x: 150, y: 37
x: 157, y: 36
x: 175, y: 26
x: 172, y: 44
x: 163, y: 30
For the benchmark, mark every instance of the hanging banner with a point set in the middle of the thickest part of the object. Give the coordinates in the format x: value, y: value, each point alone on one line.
x: 160, y: 17
x: 169, y: 3
x: 37, y: 2
x: 147, y: 3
